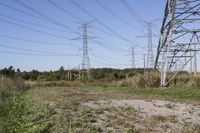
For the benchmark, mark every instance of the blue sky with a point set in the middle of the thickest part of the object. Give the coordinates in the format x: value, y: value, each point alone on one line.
x: 25, y: 24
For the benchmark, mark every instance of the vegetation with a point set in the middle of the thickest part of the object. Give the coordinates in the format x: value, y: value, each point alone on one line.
x: 9, y: 87
x: 177, y: 93
x: 22, y: 114
x: 62, y: 109
x: 52, y: 104
x: 62, y: 74
x: 107, y: 76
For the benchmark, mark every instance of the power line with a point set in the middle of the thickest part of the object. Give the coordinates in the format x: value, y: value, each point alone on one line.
x: 63, y: 9
x: 108, y: 44
x: 25, y: 13
x: 76, y: 17
x: 133, y: 12
x: 99, y: 29
x: 31, y: 23
x: 35, y: 51
x: 107, y: 64
x: 21, y: 11
x: 150, y: 56
x: 104, y: 56
x: 32, y: 29
x: 34, y: 41
x: 115, y: 15
x: 28, y: 54
x: 105, y: 59
x: 112, y: 49
x: 101, y: 23
x: 44, y: 16
x: 106, y: 47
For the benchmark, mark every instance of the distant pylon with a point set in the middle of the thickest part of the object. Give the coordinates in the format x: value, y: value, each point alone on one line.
x: 150, y: 57
x: 85, y: 57
x: 180, y: 35
x: 149, y: 36
x: 133, y: 58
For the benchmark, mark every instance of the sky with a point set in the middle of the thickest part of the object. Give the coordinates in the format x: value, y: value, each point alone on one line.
x: 36, y: 35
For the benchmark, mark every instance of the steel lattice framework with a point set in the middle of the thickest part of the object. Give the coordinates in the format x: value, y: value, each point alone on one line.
x: 86, y: 60
x: 179, y: 40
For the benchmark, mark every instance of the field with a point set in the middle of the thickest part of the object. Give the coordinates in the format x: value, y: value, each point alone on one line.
x: 102, y: 109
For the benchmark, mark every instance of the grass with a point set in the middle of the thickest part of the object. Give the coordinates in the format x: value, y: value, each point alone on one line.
x: 23, y: 114
x: 176, y: 93
x: 60, y: 109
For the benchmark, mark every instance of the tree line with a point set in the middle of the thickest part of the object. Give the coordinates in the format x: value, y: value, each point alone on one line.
x: 73, y: 74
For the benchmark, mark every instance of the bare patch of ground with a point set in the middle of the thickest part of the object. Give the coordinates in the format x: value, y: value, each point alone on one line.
x: 150, y: 116
x: 79, y: 110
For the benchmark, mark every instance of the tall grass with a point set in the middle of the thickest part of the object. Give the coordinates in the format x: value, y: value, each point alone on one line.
x: 147, y: 80
x: 10, y: 86
x: 152, y: 80
x: 142, y: 81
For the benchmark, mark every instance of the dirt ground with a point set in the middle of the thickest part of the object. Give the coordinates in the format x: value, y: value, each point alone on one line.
x: 103, y: 111
x: 156, y: 115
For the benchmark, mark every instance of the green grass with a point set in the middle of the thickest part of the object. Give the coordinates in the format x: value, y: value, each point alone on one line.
x: 178, y: 93
x: 22, y: 114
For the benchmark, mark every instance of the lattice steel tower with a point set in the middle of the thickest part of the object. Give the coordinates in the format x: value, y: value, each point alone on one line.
x: 133, y: 58
x: 85, y: 57
x: 179, y: 40
x: 150, y: 57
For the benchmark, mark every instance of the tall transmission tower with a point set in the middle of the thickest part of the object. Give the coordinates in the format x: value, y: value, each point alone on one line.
x: 85, y: 65
x: 150, y: 57
x: 133, y: 58
x: 149, y: 36
x: 179, y: 39
x: 85, y: 57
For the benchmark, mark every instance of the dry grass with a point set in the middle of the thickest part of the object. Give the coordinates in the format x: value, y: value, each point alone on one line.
x: 142, y: 81
x: 152, y: 80
x: 9, y: 86
x: 149, y: 80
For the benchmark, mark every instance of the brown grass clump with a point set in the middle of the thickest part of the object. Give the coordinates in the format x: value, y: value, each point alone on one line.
x: 152, y: 80
x: 9, y: 86
x: 144, y: 81
x: 186, y: 80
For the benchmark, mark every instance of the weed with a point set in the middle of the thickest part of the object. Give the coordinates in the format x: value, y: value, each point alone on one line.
x: 169, y: 106
x: 160, y: 118
x: 132, y: 130
x: 20, y: 114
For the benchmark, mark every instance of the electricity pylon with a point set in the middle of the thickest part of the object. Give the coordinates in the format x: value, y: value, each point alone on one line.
x: 179, y: 39
x: 149, y: 36
x: 85, y: 57
x: 85, y: 65
x: 133, y: 58
x: 150, y: 57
